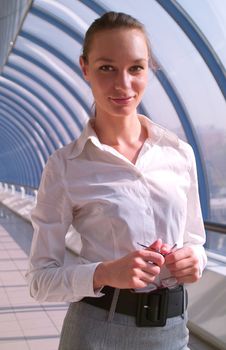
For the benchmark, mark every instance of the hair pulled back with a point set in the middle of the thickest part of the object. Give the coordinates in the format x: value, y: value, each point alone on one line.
x: 115, y: 20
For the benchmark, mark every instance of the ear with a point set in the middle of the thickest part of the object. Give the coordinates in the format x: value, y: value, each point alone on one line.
x: 84, y: 68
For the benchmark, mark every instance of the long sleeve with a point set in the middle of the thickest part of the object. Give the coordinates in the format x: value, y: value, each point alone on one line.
x: 195, y: 232
x: 49, y: 278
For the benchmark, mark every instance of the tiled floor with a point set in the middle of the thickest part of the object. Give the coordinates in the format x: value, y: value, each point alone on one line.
x: 24, y: 323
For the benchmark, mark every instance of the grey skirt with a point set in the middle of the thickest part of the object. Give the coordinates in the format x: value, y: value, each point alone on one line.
x: 86, y: 328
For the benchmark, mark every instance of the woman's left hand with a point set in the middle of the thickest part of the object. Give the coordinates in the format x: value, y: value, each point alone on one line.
x: 183, y: 265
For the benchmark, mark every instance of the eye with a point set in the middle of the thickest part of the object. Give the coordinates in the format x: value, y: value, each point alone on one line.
x: 106, y: 68
x: 136, y: 68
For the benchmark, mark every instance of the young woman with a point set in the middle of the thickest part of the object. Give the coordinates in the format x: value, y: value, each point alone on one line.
x: 125, y: 184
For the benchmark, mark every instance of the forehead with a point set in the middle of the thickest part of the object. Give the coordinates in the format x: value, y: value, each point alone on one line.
x: 122, y: 41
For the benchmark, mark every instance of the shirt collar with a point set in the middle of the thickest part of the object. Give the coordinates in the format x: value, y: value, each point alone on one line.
x: 155, y: 134
x: 87, y: 134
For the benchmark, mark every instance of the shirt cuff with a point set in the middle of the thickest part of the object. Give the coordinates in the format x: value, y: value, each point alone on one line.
x: 83, y: 281
x: 200, y: 251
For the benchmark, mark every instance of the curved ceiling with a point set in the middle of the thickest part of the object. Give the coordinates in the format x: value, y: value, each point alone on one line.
x: 44, y: 102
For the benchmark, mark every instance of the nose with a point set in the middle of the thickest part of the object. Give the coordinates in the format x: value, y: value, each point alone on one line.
x: 122, y: 80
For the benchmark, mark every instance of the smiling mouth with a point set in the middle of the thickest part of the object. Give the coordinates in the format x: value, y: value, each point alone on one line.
x: 122, y: 100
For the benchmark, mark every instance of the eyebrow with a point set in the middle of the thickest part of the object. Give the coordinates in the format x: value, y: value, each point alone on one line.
x: 105, y: 59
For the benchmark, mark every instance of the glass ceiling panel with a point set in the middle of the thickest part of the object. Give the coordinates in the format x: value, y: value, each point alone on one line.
x: 63, y: 13
x: 215, y: 33
x: 11, y: 16
x: 161, y: 109
x: 23, y: 115
x: 22, y: 145
x: 15, y: 93
x: 34, y: 134
x: 54, y: 86
x: 53, y: 108
x: 77, y: 7
x: 29, y: 136
x: 54, y: 63
x: 52, y: 36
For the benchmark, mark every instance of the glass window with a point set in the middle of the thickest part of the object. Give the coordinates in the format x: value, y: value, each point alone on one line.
x: 215, y: 33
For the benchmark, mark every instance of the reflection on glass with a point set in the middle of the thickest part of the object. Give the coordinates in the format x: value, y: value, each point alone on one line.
x: 213, y: 140
x: 216, y: 242
x: 200, y: 11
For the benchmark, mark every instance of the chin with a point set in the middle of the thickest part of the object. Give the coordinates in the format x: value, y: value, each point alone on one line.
x: 123, y: 110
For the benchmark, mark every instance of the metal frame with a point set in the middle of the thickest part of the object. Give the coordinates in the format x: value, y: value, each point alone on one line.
x: 45, y: 116
x: 50, y: 90
x: 35, y: 93
x: 32, y: 130
x: 21, y: 135
x: 199, y: 41
x: 25, y: 111
x: 54, y: 74
x: 23, y: 156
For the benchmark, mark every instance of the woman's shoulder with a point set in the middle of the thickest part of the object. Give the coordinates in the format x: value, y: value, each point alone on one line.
x: 75, y: 147
x: 169, y: 138
x: 60, y: 156
x: 65, y: 151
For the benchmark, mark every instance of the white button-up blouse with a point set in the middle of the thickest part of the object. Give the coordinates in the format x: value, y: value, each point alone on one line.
x: 113, y: 204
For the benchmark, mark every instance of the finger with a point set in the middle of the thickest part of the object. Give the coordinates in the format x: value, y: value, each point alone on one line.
x: 151, y: 269
x: 147, y: 260
x: 179, y: 254
x: 186, y: 272
x: 181, y: 264
x: 147, y: 277
x: 138, y: 275
x: 150, y: 256
x: 156, y: 245
x: 165, y: 249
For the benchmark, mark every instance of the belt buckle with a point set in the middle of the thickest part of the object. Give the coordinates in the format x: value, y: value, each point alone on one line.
x: 152, y: 308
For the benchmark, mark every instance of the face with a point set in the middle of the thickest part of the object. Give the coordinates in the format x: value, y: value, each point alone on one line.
x: 117, y: 71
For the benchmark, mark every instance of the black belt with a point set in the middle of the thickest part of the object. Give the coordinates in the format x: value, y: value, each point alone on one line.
x: 150, y: 309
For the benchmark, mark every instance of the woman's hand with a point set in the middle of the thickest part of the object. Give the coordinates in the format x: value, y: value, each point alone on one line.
x: 135, y: 270
x: 183, y: 264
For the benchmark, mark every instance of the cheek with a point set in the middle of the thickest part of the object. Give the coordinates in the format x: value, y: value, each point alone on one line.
x: 100, y: 91
x: 100, y: 84
x: 141, y: 83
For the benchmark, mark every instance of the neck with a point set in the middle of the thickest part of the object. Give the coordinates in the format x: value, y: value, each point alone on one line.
x: 115, y: 131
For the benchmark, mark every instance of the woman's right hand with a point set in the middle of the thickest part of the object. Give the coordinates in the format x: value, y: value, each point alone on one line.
x: 135, y: 270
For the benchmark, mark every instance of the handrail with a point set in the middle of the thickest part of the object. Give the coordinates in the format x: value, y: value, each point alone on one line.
x: 19, y: 188
x: 215, y: 227
x: 19, y: 185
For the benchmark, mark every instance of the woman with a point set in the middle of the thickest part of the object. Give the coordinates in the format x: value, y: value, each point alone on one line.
x: 125, y: 184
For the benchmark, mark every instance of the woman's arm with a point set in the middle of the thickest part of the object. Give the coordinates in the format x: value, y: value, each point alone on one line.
x: 48, y: 277
x: 187, y: 263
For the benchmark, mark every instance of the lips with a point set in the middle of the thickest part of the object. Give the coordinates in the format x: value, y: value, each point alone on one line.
x: 122, y: 100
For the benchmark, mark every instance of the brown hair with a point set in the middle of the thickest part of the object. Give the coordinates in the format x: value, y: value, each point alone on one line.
x: 115, y: 20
